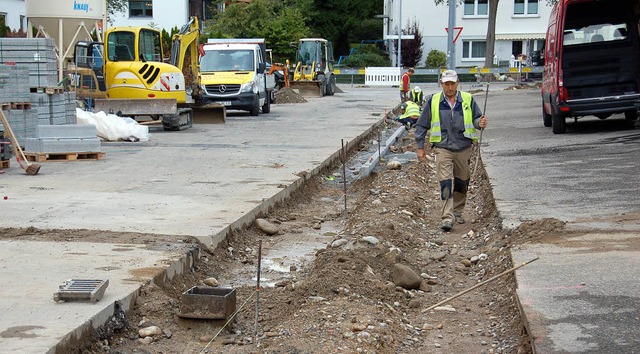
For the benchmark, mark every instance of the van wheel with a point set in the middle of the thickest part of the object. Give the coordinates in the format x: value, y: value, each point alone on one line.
x: 255, y: 110
x: 546, y: 118
x: 631, y: 115
x: 266, y: 107
x: 558, y: 122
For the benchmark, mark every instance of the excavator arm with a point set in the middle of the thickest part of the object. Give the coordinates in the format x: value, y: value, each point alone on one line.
x: 183, y: 41
x: 285, y: 70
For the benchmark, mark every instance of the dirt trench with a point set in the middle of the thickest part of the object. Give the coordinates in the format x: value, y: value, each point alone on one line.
x: 338, y: 295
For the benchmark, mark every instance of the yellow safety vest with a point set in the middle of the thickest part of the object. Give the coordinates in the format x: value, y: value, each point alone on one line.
x: 469, y: 128
x: 416, y: 97
x: 412, y: 110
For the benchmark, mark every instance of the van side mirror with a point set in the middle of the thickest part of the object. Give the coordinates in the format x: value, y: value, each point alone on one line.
x: 262, y: 67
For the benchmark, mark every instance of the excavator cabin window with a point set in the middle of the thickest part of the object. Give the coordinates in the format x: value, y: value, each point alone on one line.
x: 150, y: 45
x: 120, y: 46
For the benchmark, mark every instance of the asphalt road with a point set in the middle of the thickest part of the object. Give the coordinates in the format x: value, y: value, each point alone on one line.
x: 589, y: 172
x: 581, y: 296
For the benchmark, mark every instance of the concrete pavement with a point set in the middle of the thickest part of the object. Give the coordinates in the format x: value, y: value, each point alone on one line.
x: 200, y: 182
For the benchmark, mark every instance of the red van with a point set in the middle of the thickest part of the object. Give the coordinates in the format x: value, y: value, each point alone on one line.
x: 591, y: 61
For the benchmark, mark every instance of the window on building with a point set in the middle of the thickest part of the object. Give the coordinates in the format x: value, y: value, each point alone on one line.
x: 211, y: 8
x: 525, y: 7
x: 474, y: 49
x: 476, y: 7
x: 140, y: 8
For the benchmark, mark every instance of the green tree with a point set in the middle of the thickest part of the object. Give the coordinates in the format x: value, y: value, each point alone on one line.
x: 4, y: 29
x: 346, y: 21
x: 279, y: 22
x: 436, y: 59
x: 362, y: 60
x: 115, y: 7
x: 411, y: 48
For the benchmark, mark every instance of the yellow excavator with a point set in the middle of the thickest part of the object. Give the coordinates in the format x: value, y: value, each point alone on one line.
x: 313, y: 73
x: 128, y: 75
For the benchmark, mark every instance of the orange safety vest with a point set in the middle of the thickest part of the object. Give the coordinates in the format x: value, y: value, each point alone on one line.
x: 402, y: 81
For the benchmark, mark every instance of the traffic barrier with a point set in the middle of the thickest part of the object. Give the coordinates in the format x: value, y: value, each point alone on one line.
x: 382, y: 76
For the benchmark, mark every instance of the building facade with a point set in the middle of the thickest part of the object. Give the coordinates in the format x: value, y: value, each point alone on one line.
x: 521, y: 26
x: 13, y: 14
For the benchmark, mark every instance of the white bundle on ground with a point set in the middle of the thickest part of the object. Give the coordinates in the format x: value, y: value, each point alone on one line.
x: 113, y: 128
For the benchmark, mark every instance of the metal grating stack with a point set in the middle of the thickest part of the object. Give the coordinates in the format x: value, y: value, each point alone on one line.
x: 37, y: 54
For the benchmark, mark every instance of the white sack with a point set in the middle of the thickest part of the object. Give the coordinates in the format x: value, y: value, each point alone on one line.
x: 110, y: 127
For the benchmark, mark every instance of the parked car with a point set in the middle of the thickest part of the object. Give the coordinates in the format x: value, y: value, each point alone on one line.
x: 591, y: 61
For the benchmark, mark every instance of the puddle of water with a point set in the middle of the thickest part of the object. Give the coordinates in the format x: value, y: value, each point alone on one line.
x: 291, y: 250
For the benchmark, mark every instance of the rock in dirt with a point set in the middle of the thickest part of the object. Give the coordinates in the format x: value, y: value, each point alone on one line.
x: 394, y: 165
x: 150, y: 331
x: 211, y: 282
x: 405, y: 277
x: 267, y: 227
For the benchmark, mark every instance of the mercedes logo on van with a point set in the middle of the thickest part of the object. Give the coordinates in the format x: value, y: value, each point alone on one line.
x: 223, y: 88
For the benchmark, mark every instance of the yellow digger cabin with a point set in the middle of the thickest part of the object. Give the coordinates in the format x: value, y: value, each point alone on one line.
x: 128, y: 75
x: 313, y: 73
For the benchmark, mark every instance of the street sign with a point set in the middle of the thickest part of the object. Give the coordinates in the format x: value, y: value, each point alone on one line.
x: 456, y: 32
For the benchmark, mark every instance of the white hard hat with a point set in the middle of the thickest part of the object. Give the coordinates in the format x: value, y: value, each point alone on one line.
x: 417, y: 89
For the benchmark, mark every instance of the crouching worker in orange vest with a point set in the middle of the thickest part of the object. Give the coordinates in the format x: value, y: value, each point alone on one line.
x: 410, y: 114
x: 453, y: 117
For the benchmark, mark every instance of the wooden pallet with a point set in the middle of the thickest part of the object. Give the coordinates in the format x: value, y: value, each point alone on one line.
x: 63, y: 156
x: 15, y: 105
x: 5, y: 163
x: 47, y: 90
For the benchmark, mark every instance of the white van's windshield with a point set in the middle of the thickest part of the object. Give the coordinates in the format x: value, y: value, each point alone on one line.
x: 227, y: 60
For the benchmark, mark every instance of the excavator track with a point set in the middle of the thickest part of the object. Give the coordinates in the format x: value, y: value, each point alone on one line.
x: 179, y: 121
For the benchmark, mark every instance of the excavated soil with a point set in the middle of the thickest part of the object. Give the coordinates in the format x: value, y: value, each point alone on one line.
x: 343, y: 298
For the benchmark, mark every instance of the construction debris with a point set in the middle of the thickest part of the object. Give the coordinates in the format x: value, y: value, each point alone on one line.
x: 289, y: 95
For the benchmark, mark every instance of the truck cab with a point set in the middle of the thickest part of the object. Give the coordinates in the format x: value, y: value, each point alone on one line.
x: 233, y: 73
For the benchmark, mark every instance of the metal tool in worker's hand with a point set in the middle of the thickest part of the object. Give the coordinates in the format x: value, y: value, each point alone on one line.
x: 484, y: 113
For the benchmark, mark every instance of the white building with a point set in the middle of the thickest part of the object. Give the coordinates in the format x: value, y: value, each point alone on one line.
x: 521, y: 26
x: 13, y: 14
x: 155, y: 13
x: 161, y: 14
x: 164, y: 14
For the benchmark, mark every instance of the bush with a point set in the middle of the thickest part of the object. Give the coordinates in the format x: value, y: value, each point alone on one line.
x: 365, y: 59
x: 436, y: 59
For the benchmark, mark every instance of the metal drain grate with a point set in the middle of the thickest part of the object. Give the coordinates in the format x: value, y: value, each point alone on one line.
x: 81, y: 289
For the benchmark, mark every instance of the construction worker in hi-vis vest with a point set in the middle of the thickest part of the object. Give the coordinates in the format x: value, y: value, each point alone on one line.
x: 453, y: 118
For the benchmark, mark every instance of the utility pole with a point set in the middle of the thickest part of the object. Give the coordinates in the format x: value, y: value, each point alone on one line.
x: 399, y: 59
x: 451, y: 47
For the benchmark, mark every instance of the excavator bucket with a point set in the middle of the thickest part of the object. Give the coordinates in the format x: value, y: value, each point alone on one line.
x: 211, y: 113
x: 308, y: 88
